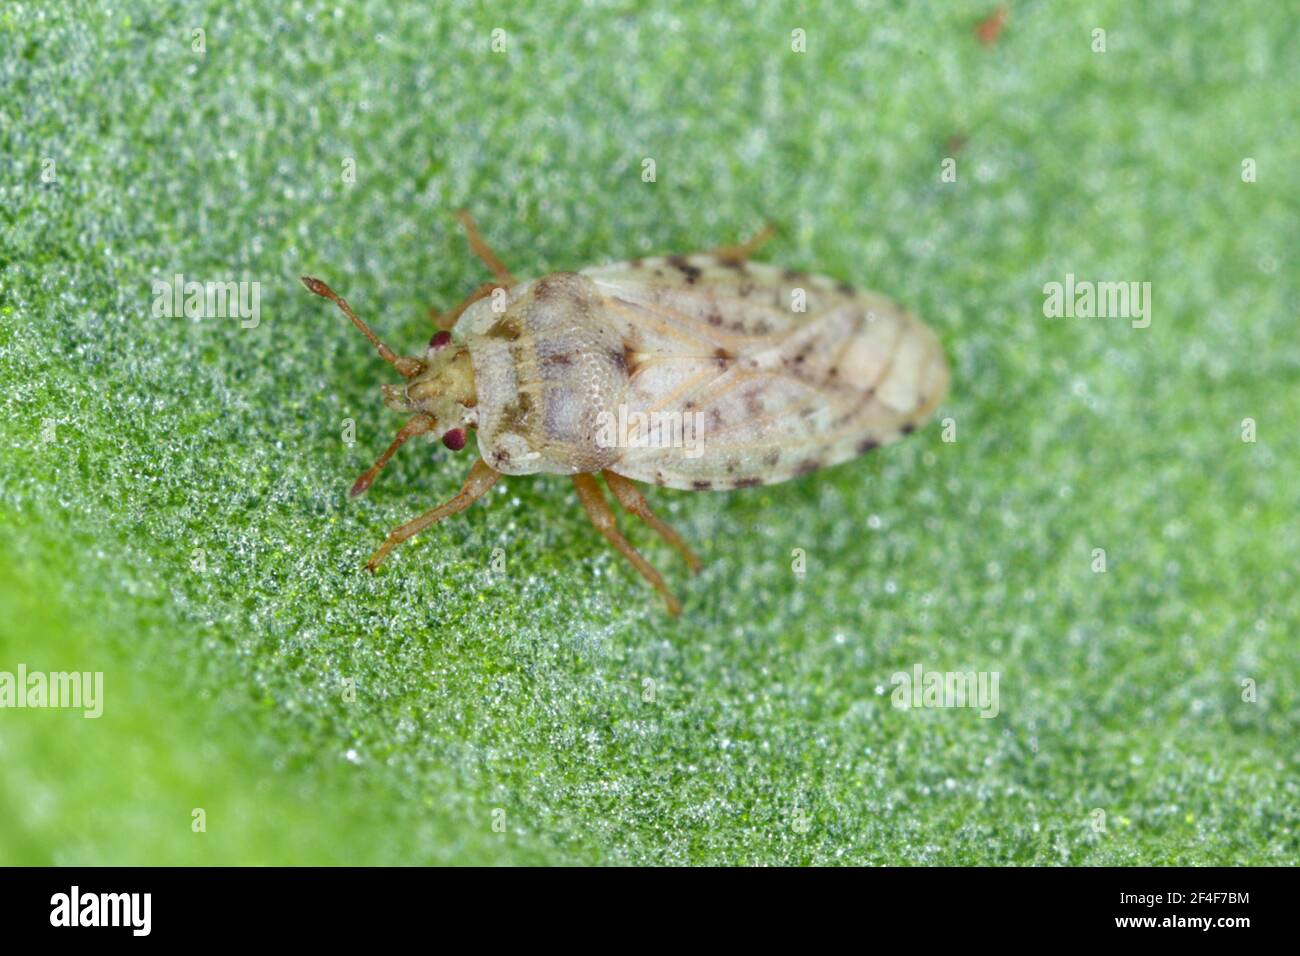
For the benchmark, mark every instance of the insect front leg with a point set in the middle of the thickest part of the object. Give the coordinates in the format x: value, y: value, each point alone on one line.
x: 418, y: 425
x: 478, y: 245
x: 481, y: 477
x: 597, y: 508
x: 481, y: 249
x: 630, y: 497
x: 740, y: 253
x: 447, y: 320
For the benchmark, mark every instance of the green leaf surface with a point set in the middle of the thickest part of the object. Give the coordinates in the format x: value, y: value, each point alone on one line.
x: 173, y: 508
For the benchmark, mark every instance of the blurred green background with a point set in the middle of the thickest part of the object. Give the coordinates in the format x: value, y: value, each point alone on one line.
x: 173, y: 505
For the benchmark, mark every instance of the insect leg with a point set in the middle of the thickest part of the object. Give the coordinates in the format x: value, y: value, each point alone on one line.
x: 630, y: 497
x: 481, y: 477
x: 740, y: 253
x: 482, y: 249
x: 418, y: 425
x: 597, y: 508
x: 448, y: 319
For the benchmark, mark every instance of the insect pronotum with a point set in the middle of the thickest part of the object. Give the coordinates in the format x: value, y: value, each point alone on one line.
x: 703, y: 372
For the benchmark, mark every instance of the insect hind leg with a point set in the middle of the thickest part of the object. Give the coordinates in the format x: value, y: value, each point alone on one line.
x: 630, y: 497
x: 597, y: 508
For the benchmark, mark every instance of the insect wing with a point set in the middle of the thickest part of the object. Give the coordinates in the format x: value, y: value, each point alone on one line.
x: 746, y: 374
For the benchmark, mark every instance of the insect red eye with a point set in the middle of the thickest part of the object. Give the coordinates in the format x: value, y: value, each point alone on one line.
x: 440, y: 340
x: 454, y: 439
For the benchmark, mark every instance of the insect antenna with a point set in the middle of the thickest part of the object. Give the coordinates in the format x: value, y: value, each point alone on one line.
x: 418, y: 425
x: 406, y: 366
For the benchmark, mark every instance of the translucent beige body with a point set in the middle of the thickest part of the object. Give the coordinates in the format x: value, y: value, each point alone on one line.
x: 779, y: 390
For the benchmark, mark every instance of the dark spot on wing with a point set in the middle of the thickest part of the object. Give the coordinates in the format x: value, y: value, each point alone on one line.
x: 869, y: 444
x: 843, y: 288
x: 771, y: 458
x: 701, y: 485
x: 908, y: 428
x: 680, y: 263
x: 722, y: 357
x: 618, y: 358
x: 807, y: 465
x: 714, y: 317
x: 749, y: 482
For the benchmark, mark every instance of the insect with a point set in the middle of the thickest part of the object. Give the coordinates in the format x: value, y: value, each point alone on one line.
x: 602, y: 371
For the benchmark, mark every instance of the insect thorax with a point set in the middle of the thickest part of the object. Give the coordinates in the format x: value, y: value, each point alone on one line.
x: 549, y: 368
